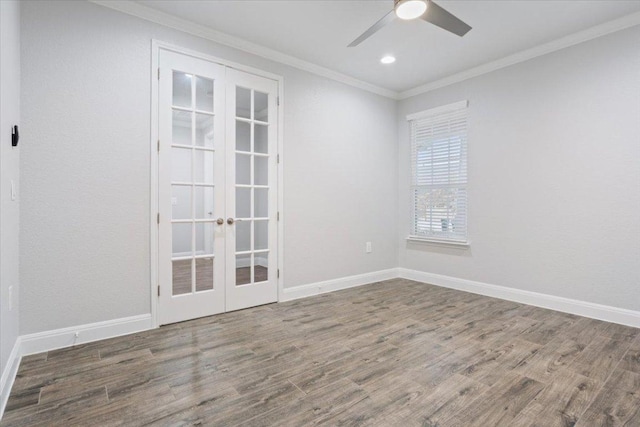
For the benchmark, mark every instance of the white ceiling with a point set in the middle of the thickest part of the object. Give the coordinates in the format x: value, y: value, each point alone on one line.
x: 319, y: 31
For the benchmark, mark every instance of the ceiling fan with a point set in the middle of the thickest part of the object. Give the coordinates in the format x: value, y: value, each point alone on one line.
x: 412, y: 9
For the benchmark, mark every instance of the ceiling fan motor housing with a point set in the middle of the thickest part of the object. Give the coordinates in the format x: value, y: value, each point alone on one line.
x: 395, y: 2
x: 410, y: 9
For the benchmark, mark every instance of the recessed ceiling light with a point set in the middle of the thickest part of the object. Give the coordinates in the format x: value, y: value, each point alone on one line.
x: 388, y: 59
x: 410, y: 9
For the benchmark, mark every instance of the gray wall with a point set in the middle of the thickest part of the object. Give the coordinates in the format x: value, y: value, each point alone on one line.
x: 9, y: 164
x: 85, y: 168
x: 554, y: 175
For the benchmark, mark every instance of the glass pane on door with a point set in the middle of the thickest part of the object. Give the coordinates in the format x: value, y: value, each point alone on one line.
x: 243, y: 136
x: 180, y: 202
x: 203, y: 166
x: 180, y: 164
x: 243, y: 169
x: 243, y: 102
x: 252, y: 186
x: 181, y: 239
x: 261, y: 139
x: 243, y: 202
x: 204, y: 202
x: 243, y: 236
x: 181, y: 127
x: 181, y: 277
x: 204, y: 274
x: 261, y: 235
x: 243, y: 269
x: 204, y: 130
x: 181, y: 89
x: 261, y: 269
x: 260, y: 106
x: 204, y: 238
x: 260, y: 170
x: 204, y: 94
x: 261, y: 203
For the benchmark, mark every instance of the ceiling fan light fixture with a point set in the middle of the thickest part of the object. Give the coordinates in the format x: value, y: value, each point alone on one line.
x: 410, y: 9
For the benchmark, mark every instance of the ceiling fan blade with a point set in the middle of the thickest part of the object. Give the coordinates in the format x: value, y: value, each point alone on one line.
x: 375, y: 27
x: 443, y: 19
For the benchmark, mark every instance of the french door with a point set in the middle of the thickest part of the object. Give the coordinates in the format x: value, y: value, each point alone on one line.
x: 217, y: 175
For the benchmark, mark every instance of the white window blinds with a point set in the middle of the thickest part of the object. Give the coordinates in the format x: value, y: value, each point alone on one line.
x: 439, y: 173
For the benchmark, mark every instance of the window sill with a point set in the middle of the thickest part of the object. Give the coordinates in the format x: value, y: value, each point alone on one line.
x: 438, y: 242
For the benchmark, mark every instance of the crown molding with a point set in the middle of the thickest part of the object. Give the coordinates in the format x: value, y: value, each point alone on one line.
x: 525, y: 55
x: 162, y: 18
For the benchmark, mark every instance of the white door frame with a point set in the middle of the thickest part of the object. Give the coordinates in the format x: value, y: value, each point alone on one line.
x: 156, y: 46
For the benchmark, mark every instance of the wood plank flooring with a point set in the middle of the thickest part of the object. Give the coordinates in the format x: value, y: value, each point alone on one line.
x: 394, y: 353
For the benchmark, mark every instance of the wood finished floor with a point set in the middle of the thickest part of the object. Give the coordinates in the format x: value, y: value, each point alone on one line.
x: 395, y: 353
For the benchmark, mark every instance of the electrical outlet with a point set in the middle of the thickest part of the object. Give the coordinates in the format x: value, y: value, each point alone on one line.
x: 10, y: 298
x: 368, y: 247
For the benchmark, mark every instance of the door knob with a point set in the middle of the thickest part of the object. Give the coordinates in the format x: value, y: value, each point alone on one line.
x: 230, y: 221
x: 220, y: 221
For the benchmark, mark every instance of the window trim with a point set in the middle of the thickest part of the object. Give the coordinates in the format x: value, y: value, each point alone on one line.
x: 462, y: 244
x: 438, y: 110
x: 443, y: 242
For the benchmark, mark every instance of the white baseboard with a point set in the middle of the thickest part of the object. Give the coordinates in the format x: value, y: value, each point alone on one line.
x: 317, y: 288
x: 566, y: 305
x: 9, y: 375
x: 66, y: 337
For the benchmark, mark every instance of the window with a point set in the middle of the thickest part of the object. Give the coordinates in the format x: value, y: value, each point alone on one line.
x: 439, y: 174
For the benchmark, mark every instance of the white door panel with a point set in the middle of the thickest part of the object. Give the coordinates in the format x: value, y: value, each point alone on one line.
x: 191, y: 188
x: 251, y: 274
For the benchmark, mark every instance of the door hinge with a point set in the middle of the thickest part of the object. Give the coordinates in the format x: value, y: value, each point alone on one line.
x: 158, y: 218
x: 158, y: 73
x: 277, y: 158
x: 278, y: 101
x: 158, y: 145
x: 158, y: 290
x: 278, y: 273
x: 278, y: 217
